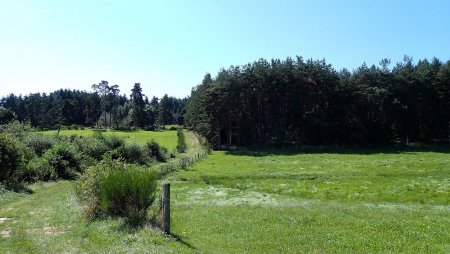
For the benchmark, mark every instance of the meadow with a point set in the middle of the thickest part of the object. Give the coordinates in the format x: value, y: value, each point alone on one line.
x: 168, y: 138
x: 355, y: 201
x: 295, y: 202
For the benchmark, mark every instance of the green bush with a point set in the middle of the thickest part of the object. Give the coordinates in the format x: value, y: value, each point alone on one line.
x: 114, y: 142
x: 12, y: 159
x: 92, y: 147
x: 39, y: 143
x: 155, y: 151
x: 38, y: 169
x: 128, y: 193
x: 98, y: 134
x: 185, y: 161
x: 181, y: 147
x: 16, y: 130
x: 65, y: 160
x: 114, y: 188
x: 133, y: 153
x: 87, y: 188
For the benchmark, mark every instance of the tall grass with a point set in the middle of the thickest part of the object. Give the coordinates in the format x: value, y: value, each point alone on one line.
x: 181, y: 147
x: 113, y: 188
x: 128, y: 193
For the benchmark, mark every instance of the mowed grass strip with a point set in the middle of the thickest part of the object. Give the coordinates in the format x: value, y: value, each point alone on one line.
x: 168, y: 138
x: 374, y: 202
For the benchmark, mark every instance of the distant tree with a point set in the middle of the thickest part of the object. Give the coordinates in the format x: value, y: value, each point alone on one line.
x: 164, y: 114
x: 137, y: 105
x: 103, y: 90
x: 92, y: 109
x: 6, y: 115
x: 114, y: 102
x: 67, y: 113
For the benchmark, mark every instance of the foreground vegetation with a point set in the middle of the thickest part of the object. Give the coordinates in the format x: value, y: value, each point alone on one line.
x: 49, y: 221
x: 345, y: 201
x: 98, y: 213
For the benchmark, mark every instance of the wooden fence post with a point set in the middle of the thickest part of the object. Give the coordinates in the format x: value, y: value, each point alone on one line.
x: 166, y: 208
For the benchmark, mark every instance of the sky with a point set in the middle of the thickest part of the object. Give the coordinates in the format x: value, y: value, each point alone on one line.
x: 168, y: 46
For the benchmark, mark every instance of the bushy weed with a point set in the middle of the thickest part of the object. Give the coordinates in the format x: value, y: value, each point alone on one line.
x: 39, y: 143
x: 128, y: 193
x: 156, y: 152
x: 12, y: 159
x: 113, y: 188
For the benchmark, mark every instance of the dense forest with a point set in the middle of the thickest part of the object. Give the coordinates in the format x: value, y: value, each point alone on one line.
x: 103, y: 107
x: 293, y: 101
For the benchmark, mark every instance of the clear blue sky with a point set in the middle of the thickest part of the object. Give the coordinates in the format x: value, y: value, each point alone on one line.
x: 168, y: 46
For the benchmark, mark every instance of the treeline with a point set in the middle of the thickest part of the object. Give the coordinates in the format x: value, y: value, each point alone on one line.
x: 298, y: 102
x: 105, y: 106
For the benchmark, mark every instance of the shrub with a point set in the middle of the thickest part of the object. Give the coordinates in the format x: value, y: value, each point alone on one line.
x: 114, y: 188
x: 12, y: 159
x: 155, y: 151
x: 64, y: 160
x: 114, y: 142
x: 150, y: 128
x: 92, y: 147
x: 185, y: 161
x: 38, y: 169
x: 39, y: 143
x: 128, y: 193
x: 98, y: 134
x: 181, y: 147
x: 133, y: 153
x: 87, y: 188
x: 16, y: 130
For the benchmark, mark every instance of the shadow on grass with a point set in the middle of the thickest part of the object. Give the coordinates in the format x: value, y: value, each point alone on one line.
x: 180, y: 240
x: 131, y: 227
x: 395, y: 149
x: 19, y: 188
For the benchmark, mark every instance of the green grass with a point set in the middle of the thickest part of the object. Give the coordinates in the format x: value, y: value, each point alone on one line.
x: 48, y: 221
x: 315, y: 203
x: 258, y: 202
x: 168, y: 139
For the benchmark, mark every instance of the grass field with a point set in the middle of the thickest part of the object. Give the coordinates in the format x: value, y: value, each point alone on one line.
x: 168, y: 139
x: 315, y: 203
x: 257, y: 202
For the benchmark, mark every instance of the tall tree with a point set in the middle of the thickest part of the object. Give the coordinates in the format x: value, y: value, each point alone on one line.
x: 92, y: 110
x: 137, y: 105
x: 103, y: 90
x: 67, y: 113
x: 164, y: 115
x: 114, y: 102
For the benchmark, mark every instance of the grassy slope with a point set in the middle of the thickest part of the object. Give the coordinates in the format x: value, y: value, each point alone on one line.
x: 322, y: 203
x: 168, y: 139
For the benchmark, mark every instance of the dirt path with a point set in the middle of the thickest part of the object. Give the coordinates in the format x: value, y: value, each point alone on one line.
x: 194, y: 145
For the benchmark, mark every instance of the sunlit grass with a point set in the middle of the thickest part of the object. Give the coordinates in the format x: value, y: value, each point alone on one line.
x: 49, y: 221
x: 168, y: 139
x: 256, y: 202
x: 315, y: 203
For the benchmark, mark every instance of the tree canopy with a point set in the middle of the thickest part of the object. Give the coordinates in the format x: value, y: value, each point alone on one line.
x: 293, y: 101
